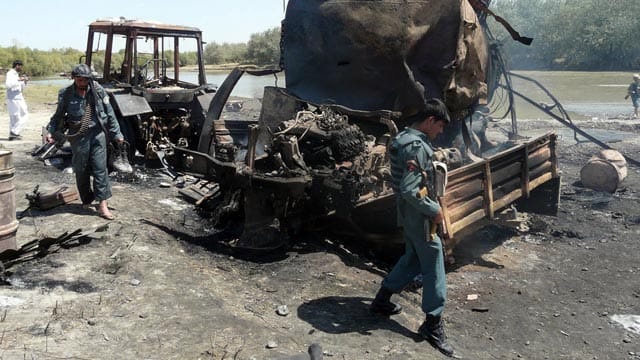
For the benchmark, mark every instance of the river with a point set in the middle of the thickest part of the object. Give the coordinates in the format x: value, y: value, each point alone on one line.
x: 584, y: 95
x: 248, y: 86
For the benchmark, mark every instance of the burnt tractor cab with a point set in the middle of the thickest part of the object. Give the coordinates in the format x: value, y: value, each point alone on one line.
x: 139, y: 63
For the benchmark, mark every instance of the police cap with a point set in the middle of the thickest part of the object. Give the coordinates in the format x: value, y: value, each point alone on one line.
x: 81, y: 70
x: 431, y: 107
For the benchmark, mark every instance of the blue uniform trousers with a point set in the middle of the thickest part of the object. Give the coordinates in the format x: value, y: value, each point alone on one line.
x: 90, y: 159
x: 422, y: 256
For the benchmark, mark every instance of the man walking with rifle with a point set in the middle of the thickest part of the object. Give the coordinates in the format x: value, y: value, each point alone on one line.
x: 413, y: 182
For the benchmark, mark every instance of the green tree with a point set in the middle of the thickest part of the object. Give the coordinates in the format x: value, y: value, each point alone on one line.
x: 264, y: 48
x: 188, y: 58
x: 571, y: 34
x: 234, y: 53
x: 224, y: 53
x: 212, y: 53
x: 39, y: 62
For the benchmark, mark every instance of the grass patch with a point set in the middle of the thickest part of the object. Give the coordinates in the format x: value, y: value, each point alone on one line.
x: 39, y: 97
x: 42, y: 95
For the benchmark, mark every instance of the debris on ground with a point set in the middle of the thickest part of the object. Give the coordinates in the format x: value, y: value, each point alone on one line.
x: 48, y: 245
x: 44, y: 201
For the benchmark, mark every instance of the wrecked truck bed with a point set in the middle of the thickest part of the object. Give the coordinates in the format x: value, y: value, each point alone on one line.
x: 329, y: 164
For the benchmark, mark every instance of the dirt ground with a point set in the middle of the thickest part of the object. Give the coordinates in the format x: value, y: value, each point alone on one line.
x: 156, y: 285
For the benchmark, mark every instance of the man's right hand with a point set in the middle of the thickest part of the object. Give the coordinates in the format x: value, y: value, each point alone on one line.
x: 626, y: 97
x: 49, y: 139
x: 438, y: 219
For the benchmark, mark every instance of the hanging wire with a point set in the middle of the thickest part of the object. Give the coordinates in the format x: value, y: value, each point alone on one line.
x: 500, y: 85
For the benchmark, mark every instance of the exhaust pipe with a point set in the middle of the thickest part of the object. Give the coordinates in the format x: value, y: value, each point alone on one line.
x: 251, y: 146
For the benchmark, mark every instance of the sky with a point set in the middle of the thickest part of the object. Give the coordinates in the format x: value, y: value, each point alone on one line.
x: 47, y: 24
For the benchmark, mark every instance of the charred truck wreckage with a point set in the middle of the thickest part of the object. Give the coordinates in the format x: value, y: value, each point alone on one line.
x: 355, y: 71
x: 318, y: 152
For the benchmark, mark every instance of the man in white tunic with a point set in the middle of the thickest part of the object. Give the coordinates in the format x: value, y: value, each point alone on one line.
x: 16, y: 105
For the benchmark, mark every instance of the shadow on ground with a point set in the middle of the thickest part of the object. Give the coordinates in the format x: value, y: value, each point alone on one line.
x: 327, y: 314
x: 351, y: 251
x: 471, y: 248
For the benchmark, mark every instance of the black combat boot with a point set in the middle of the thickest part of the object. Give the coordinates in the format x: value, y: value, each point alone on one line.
x: 432, y: 330
x: 383, y: 305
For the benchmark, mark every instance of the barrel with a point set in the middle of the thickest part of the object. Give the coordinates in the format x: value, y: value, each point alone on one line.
x: 604, y: 171
x: 8, y: 222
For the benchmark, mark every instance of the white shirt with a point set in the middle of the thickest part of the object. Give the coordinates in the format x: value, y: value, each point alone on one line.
x: 14, y: 85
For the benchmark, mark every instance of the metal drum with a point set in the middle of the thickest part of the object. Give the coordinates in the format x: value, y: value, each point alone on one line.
x: 8, y: 222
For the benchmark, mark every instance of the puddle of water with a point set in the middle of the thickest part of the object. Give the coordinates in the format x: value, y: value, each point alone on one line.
x: 629, y: 322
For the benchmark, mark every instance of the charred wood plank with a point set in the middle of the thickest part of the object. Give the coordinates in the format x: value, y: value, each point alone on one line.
x: 464, y: 209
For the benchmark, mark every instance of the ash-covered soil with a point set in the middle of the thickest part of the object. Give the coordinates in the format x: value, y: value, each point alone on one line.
x: 157, y: 285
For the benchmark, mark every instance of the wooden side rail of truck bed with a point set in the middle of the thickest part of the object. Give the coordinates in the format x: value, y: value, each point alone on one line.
x: 475, y: 192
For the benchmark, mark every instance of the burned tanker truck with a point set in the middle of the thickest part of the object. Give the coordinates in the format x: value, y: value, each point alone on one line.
x: 355, y: 71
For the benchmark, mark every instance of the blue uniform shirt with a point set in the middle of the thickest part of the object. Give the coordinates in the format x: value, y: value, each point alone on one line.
x: 71, y: 108
x: 407, y: 179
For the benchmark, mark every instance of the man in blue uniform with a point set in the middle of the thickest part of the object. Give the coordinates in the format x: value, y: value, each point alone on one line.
x: 412, y: 180
x: 84, y: 110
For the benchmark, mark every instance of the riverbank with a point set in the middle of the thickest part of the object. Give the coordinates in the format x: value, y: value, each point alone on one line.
x: 584, y: 95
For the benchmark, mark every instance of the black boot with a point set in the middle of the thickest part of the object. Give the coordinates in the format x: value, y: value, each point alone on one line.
x: 432, y: 330
x: 383, y: 305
